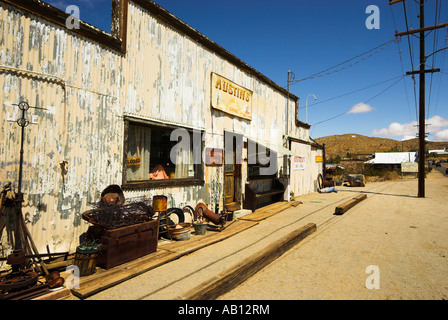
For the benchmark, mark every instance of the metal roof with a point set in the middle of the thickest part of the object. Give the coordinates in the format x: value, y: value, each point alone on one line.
x: 393, y: 157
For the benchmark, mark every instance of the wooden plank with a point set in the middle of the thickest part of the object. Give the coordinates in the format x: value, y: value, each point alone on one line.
x: 229, y: 279
x: 54, y: 295
x: 198, y: 242
x: 268, y: 211
x: 350, y: 204
x: 105, y: 279
x: 91, y: 285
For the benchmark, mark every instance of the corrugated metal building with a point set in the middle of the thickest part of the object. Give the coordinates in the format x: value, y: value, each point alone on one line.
x: 111, y: 103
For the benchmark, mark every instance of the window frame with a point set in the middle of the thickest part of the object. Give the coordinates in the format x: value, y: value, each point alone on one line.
x: 145, y: 184
x: 258, y: 165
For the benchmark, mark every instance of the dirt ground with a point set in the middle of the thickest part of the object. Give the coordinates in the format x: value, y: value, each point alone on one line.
x: 393, y: 245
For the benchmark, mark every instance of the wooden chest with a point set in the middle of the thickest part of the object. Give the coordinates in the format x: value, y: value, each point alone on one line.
x: 125, y: 244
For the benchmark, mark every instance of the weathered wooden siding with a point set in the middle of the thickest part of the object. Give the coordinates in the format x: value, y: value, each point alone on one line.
x: 88, y: 89
x: 78, y: 82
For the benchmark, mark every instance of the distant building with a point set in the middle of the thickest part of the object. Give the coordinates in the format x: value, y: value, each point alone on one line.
x: 439, y: 152
x: 391, y: 160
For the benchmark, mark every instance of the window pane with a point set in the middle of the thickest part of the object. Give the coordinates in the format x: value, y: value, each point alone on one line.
x: 161, y: 165
x: 137, y: 166
x: 149, y: 154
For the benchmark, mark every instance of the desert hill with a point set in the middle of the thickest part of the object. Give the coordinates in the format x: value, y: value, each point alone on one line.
x: 354, y: 145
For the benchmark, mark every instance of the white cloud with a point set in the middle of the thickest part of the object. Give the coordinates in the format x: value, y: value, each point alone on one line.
x: 407, y: 137
x: 436, y: 125
x: 441, y: 135
x: 360, y: 108
x: 397, y: 129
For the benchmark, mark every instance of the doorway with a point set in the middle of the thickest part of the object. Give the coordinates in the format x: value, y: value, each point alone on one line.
x: 233, y: 150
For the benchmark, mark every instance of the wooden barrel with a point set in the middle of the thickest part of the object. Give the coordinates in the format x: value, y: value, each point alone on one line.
x: 86, y: 262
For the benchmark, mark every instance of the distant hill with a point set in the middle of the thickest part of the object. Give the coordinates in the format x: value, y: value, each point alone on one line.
x: 354, y: 145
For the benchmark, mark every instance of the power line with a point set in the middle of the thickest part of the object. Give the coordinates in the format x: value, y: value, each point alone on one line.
x: 325, y: 73
x: 402, y: 69
x: 436, y: 22
x: 441, y: 78
x: 352, y: 92
x: 411, y: 57
x: 422, y: 73
x: 341, y: 114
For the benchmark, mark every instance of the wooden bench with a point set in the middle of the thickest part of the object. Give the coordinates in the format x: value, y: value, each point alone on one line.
x: 252, y: 197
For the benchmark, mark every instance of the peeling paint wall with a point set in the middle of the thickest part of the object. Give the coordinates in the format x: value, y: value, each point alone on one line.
x: 77, y: 82
x: 87, y: 89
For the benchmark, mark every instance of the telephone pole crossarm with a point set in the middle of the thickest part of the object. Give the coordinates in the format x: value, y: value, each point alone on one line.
x: 425, y: 71
x: 422, y: 29
x: 422, y: 73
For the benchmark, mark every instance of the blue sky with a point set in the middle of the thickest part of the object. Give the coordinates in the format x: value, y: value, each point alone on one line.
x: 309, y: 36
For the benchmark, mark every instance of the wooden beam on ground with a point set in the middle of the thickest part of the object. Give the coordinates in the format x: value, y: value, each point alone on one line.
x: 349, y: 204
x: 54, y: 295
x: 104, y: 279
x: 123, y: 272
x: 270, y: 210
x: 229, y: 279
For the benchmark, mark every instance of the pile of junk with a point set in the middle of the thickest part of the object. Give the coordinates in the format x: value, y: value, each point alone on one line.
x: 123, y: 230
x: 120, y: 230
x: 30, y: 273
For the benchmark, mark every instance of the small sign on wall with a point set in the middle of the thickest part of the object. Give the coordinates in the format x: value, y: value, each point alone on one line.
x: 133, y: 161
x: 319, y: 159
x: 298, y: 162
x: 213, y: 157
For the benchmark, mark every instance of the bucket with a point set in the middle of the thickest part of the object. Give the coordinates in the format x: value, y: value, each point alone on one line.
x: 180, y: 231
x: 200, y: 228
x: 159, y: 203
x: 86, y: 261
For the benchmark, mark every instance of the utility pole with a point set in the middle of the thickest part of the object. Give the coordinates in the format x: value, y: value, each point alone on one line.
x: 421, y: 115
x: 422, y: 71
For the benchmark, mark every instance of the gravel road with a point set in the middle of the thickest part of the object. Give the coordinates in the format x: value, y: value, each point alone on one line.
x: 393, y: 245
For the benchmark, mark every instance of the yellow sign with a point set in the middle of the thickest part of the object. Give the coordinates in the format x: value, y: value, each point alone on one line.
x: 319, y: 159
x: 231, y: 98
x: 133, y: 161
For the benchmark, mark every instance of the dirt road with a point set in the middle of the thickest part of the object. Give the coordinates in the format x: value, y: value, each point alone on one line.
x: 392, y: 245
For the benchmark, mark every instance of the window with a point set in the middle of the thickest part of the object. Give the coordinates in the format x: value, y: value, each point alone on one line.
x: 162, y: 155
x: 262, y: 161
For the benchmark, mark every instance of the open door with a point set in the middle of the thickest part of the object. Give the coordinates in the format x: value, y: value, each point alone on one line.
x: 232, y: 171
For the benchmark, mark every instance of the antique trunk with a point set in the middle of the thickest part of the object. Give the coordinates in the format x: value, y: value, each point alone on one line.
x: 125, y: 244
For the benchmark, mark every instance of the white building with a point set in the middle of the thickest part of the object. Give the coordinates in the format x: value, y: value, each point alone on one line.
x: 391, y: 160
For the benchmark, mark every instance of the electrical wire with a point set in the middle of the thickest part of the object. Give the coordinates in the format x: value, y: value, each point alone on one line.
x: 346, y: 112
x: 441, y: 78
x: 351, y: 92
x: 411, y: 57
x: 402, y: 67
x: 325, y: 73
x: 434, y: 49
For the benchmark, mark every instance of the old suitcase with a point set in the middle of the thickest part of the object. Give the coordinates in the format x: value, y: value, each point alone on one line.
x: 125, y: 244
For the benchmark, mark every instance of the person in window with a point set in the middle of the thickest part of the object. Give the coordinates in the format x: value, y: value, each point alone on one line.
x: 158, y: 173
